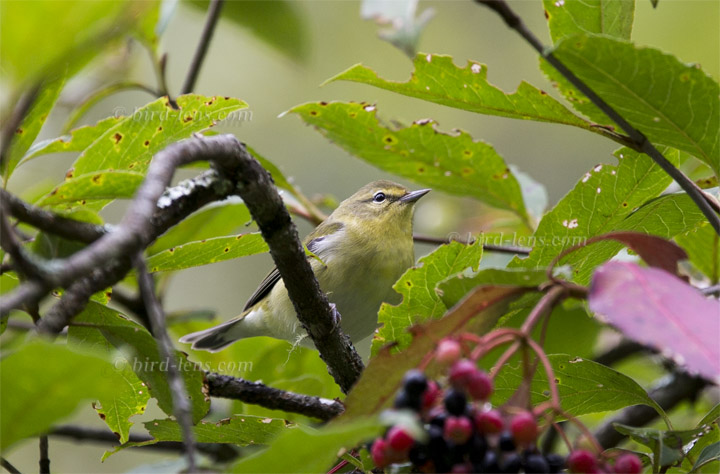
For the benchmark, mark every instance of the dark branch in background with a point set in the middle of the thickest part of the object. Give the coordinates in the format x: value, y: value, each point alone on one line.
x: 23, y: 262
x: 225, y: 386
x: 488, y: 247
x: 82, y: 274
x: 178, y: 391
x: 21, y: 109
x: 44, y: 455
x: 675, y: 389
x: 132, y: 303
x: 219, y: 452
x: 8, y: 467
x: 210, y: 23
x: 641, y: 143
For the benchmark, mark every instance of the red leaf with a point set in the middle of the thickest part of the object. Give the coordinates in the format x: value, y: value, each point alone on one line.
x: 658, y: 309
x: 656, y: 251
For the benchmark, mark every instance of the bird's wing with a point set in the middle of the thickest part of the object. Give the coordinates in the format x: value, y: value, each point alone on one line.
x: 313, y: 243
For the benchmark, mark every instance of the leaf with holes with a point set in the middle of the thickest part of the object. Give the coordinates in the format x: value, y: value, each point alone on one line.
x: 129, y: 399
x: 436, y: 79
x: 584, y: 386
x: 454, y: 163
x: 453, y: 289
x: 92, y: 186
x: 672, y: 103
x: 107, y: 328
x: 607, y: 17
x: 658, y: 309
x: 30, y: 126
x: 610, y: 198
x: 417, y: 286
x: 205, y: 252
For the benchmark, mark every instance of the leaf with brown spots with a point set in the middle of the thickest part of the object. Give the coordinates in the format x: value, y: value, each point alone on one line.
x: 94, y: 186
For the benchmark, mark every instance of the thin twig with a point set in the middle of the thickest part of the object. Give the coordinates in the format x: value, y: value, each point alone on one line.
x: 21, y: 109
x: 44, y: 455
x: 23, y: 262
x: 487, y: 247
x: 225, y: 386
x: 641, y: 142
x: 8, y: 467
x: 210, y: 23
x: 181, y: 405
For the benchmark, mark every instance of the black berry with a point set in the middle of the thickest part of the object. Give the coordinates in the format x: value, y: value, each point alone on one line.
x: 455, y: 402
x: 490, y: 463
x: 477, y: 447
x: 407, y: 401
x: 415, y: 383
x: 511, y: 464
x: 506, y: 442
x: 555, y: 462
x: 536, y: 464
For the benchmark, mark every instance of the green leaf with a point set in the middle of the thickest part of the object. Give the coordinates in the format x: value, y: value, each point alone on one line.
x: 211, y: 221
x: 141, y: 356
x: 454, y: 163
x: 279, y: 24
x: 87, y: 29
x: 76, y: 140
x: 31, y: 124
x: 453, y: 289
x: 304, y: 449
x: 241, y: 430
x: 204, y: 252
x: 707, y: 455
x: 146, y: 29
x: 667, y: 446
x: 672, y: 103
x: 703, y: 248
x: 604, y: 200
x: 129, y: 399
x: 478, y: 313
x: 711, y: 417
x: 132, y: 142
x: 607, y: 17
x: 42, y: 383
x: 584, y: 386
x: 90, y: 186
x: 420, y: 300
x: 436, y: 79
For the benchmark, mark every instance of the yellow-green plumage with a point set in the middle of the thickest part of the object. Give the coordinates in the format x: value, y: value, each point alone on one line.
x: 364, y: 246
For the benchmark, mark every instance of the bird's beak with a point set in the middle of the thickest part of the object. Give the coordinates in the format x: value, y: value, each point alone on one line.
x: 414, y: 196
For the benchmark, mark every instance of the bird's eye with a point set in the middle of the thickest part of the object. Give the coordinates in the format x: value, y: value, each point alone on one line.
x: 379, y: 197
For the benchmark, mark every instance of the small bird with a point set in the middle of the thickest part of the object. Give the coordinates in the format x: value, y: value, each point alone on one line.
x: 363, y: 247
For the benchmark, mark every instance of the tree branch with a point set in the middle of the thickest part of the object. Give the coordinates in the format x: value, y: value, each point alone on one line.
x: 225, y: 386
x: 8, y: 467
x: 680, y: 386
x: 638, y: 139
x: 44, y: 455
x: 487, y: 247
x: 210, y: 23
x: 178, y: 392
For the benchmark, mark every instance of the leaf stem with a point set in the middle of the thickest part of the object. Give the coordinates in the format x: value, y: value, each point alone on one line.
x: 208, y: 30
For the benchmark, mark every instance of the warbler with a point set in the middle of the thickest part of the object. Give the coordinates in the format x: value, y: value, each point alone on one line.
x: 363, y: 247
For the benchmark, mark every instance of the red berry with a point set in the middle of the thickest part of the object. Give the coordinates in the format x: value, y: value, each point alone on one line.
x: 458, y: 429
x: 479, y: 386
x: 431, y: 395
x: 628, y: 464
x: 379, y: 453
x: 461, y: 372
x: 582, y: 462
x: 448, y: 351
x: 399, y: 439
x: 489, y: 422
x: 524, y: 428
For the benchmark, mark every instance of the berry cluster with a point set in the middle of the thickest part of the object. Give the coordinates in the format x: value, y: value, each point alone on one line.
x: 463, y: 433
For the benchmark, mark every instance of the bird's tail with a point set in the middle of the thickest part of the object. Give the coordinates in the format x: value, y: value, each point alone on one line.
x: 215, y: 338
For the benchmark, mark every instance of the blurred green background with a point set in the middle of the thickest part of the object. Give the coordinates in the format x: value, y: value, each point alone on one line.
x: 240, y: 65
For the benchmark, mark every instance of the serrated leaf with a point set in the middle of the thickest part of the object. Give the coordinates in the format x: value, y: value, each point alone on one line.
x: 658, y: 309
x: 211, y: 221
x: 665, y: 445
x: 454, y: 163
x: 77, y: 140
x: 455, y: 288
x: 672, y: 103
x: 584, y: 386
x: 305, y: 449
x: 129, y: 399
x: 132, y: 142
x: 141, y: 356
x: 417, y: 286
x: 607, y: 199
x: 205, y: 252
x: 92, y: 186
x: 279, y: 24
x: 607, y: 17
x: 28, y: 129
x: 436, y: 79
x: 39, y: 371
x: 478, y: 313
x: 702, y: 245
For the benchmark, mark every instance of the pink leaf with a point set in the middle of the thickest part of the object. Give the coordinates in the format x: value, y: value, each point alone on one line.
x: 658, y: 309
